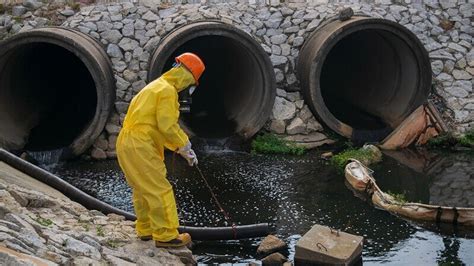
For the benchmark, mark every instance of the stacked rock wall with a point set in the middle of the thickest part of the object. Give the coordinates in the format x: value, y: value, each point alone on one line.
x: 130, y: 32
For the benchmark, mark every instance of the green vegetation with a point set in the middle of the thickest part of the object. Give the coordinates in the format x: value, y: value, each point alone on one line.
x: 100, y: 231
x: 271, y: 144
x: 112, y: 243
x: 468, y: 139
x: 85, y: 225
x: 364, y: 155
x: 449, y: 140
x: 74, y: 5
x: 42, y: 221
x: 399, y: 198
x: 442, y: 141
x: 17, y: 19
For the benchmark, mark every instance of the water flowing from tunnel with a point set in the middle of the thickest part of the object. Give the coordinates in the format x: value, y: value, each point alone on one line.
x: 218, y: 145
x: 46, y: 159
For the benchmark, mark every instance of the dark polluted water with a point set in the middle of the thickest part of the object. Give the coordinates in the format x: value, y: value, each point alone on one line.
x: 295, y: 193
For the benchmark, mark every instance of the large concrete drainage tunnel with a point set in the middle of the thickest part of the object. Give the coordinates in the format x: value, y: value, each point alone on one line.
x: 361, y: 77
x: 57, y: 86
x: 56, y: 91
x: 364, y: 76
x: 236, y: 92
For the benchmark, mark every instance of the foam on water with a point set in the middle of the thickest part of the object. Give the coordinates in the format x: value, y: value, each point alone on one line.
x: 46, y: 159
x: 218, y: 146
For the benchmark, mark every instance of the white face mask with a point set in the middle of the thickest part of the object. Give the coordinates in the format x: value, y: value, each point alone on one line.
x: 191, y: 90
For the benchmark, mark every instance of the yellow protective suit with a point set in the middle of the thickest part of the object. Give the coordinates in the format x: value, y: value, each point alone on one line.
x: 151, y: 124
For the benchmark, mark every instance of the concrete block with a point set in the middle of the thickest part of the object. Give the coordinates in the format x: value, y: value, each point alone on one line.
x: 321, y: 245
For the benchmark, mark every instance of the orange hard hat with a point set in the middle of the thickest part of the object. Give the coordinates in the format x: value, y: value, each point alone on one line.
x: 193, y: 63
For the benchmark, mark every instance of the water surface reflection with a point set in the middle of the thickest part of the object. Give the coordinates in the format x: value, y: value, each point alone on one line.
x: 296, y: 192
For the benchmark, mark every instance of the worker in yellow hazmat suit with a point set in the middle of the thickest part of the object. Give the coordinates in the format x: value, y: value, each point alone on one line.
x: 151, y: 124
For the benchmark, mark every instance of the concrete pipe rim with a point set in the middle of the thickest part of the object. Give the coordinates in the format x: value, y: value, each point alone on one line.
x: 313, y: 93
x: 212, y: 28
x: 94, y: 58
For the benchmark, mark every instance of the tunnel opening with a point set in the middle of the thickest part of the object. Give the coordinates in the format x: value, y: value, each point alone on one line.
x: 364, y: 76
x: 237, y: 90
x: 49, y: 95
x: 56, y: 88
x: 222, y: 91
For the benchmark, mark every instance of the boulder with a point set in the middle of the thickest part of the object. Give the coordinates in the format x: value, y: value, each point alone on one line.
x: 296, y: 126
x: 98, y: 154
x: 283, y: 109
x: 271, y: 244
x: 274, y: 259
x: 310, y: 141
x: 18, y: 11
x: 278, y: 126
x: 313, y: 125
x: 32, y: 4
x: 11, y: 257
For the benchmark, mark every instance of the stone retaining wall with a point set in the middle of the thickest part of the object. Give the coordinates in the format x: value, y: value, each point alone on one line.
x: 130, y: 32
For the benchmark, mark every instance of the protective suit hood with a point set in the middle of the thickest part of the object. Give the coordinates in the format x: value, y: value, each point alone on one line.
x: 179, y: 77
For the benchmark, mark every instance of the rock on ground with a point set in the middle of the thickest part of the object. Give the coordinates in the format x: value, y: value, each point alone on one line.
x: 310, y: 141
x: 55, y: 230
x: 271, y: 244
x: 274, y: 259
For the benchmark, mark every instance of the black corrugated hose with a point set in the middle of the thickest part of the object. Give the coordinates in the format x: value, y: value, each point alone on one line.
x: 75, y: 194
